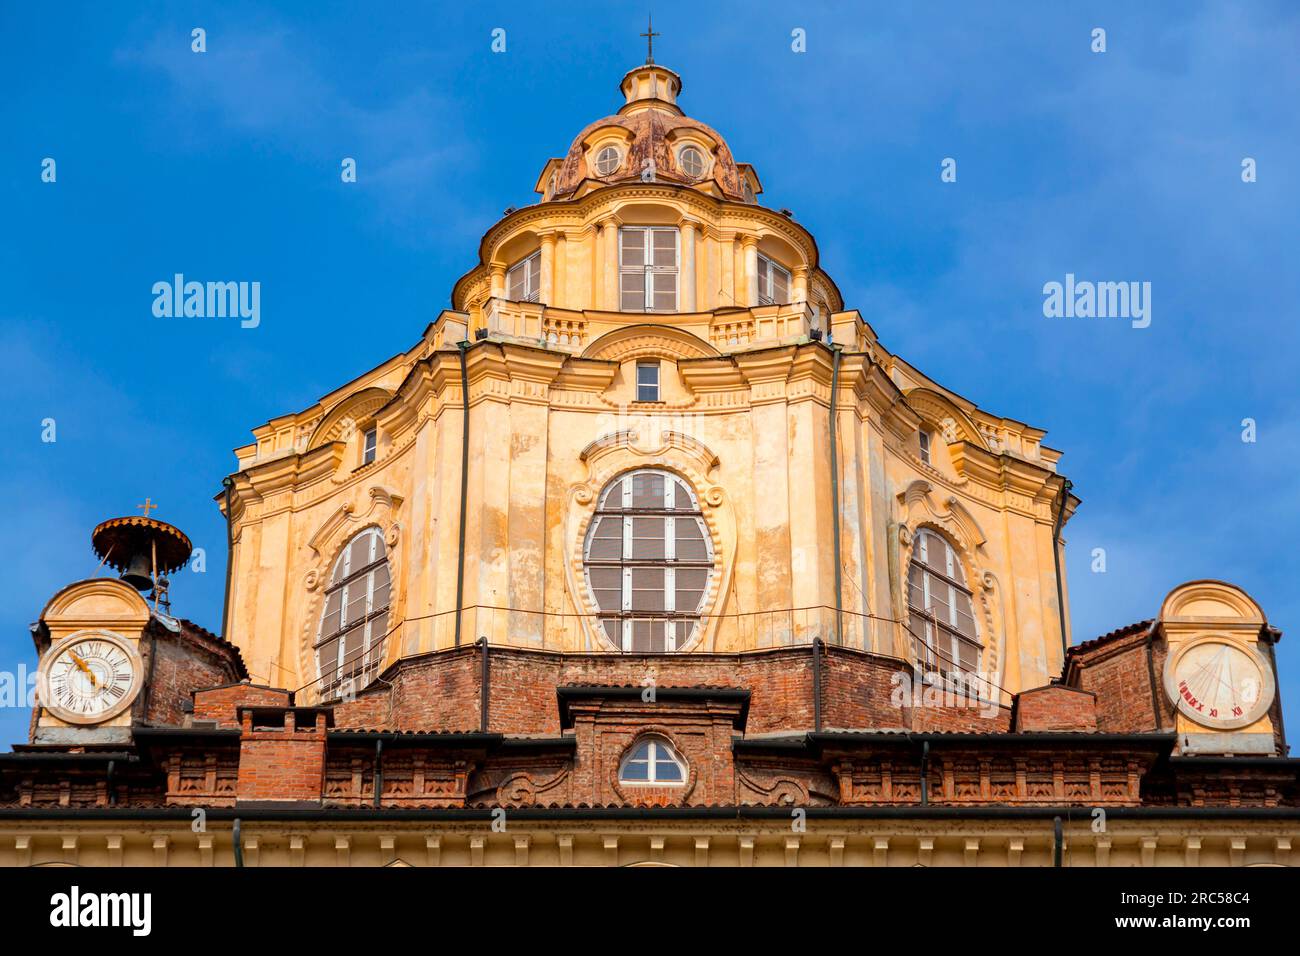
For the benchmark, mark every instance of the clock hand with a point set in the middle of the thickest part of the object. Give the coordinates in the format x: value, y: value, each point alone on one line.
x: 85, y: 667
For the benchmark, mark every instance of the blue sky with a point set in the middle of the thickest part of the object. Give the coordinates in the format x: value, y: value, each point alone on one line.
x: 1117, y: 166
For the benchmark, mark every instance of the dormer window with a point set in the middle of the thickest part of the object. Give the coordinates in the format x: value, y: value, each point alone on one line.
x: 647, y: 269
x: 691, y: 162
x: 369, y: 445
x: 923, y: 437
x: 608, y: 160
x: 652, y: 761
x: 524, y: 280
x: 773, y: 283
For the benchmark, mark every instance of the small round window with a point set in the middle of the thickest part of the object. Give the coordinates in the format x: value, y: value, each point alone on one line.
x: 691, y: 161
x: 607, y: 160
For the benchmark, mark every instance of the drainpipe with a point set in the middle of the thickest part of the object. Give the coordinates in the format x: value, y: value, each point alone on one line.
x: 1056, y: 556
x: 835, y: 498
x: 464, y: 485
x: 1272, y: 659
x: 238, y: 842
x: 229, y: 484
x: 817, y: 683
x: 147, y: 697
x: 379, y: 768
x: 925, y: 773
x: 484, y: 687
x: 1151, y: 675
x: 1058, y: 840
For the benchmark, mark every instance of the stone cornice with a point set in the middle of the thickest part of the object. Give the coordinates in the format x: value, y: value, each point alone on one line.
x: 435, y: 377
x: 505, y: 372
x: 586, y: 375
x: 876, y: 391
x: 709, y: 375
x: 293, y: 471
x: 1028, y: 487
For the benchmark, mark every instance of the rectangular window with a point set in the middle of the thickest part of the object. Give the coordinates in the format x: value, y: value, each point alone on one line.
x: 647, y: 381
x: 924, y: 438
x: 647, y: 269
x: 524, y: 280
x: 773, y: 283
x: 369, y: 444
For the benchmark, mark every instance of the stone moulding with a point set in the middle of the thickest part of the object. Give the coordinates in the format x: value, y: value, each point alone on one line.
x: 689, y: 459
x: 327, y: 542
x: 955, y: 522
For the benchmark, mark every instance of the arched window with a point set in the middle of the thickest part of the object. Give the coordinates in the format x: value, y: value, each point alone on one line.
x: 940, y: 609
x: 648, y: 559
x: 354, y: 621
x: 652, y: 761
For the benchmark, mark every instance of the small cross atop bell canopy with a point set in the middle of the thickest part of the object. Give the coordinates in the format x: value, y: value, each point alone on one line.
x: 651, y: 86
x: 141, y: 548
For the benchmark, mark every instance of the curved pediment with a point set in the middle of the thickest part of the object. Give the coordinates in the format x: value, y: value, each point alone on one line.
x: 1211, y: 601
x: 626, y: 441
x: 919, y: 508
x: 942, y: 413
x: 335, y: 426
x: 97, y: 601
x: 648, y: 341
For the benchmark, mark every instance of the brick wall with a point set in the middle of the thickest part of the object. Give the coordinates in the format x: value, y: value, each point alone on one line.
x: 176, y: 663
x: 285, y: 764
x: 440, y: 691
x: 1118, y: 675
x: 1056, y: 708
x: 219, y: 703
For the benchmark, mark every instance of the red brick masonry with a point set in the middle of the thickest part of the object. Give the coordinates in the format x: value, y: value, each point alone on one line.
x: 793, y: 726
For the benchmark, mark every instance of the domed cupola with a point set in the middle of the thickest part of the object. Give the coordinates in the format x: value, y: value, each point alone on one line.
x: 648, y: 140
x: 650, y: 87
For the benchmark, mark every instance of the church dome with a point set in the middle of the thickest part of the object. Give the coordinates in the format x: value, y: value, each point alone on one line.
x: 650, y: 140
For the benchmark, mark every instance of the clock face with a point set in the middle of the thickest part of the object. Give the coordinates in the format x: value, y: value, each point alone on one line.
x: 1219, y: 683
x: 89, y: 677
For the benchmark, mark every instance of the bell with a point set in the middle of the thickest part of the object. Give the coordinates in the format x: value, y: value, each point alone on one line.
x: 139, y: 574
